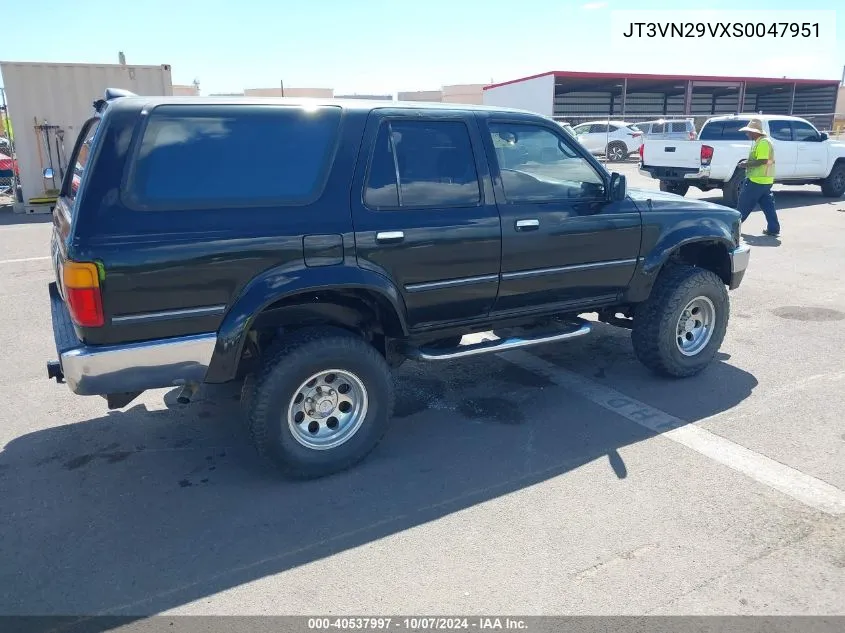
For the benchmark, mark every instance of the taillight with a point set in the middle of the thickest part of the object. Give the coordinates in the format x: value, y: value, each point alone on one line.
x: 706, y: 155
x: 81, y: 281
x: 692, y: 136
x: 641, y: 150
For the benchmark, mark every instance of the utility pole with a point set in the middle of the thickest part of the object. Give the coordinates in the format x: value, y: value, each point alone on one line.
x: 282, y: 85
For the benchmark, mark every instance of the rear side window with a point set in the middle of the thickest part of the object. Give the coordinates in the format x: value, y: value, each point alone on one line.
x: 679, y: 127
x: 216, y: 156
x: 724, y: 131
x: 434, y: 163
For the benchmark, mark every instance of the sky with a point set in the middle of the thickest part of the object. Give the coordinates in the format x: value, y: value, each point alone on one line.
x: 385, y: 46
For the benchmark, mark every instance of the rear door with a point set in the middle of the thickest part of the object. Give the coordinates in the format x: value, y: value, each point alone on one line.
x: 786, y: 149
x: 424, y: 213
x: 563, y: 244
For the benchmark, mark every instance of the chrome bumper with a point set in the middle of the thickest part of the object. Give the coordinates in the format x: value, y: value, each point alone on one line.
x: 740, y: 257
x: 132, y: 367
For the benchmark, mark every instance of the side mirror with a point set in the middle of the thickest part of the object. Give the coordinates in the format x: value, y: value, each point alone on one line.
x: 48, y: 173
x: 823, y: 136
x: 618, y: 189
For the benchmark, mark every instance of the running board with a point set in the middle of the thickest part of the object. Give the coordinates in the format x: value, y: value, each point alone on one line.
x: 499, y: 345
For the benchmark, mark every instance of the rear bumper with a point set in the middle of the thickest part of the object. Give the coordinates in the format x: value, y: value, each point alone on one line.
x: 110, y: 369
x: 740, y: 257
x: 674, y: 173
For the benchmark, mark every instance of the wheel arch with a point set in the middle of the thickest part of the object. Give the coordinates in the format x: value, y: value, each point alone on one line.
x: 350, y: 298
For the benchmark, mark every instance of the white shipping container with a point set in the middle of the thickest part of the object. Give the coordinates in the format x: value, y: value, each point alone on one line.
x: 63, y: 95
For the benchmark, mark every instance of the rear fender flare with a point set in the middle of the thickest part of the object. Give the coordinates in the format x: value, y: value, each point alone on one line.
x: 281, y: 283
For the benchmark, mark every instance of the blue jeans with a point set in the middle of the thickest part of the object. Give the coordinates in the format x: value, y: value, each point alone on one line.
x: 751, y: 195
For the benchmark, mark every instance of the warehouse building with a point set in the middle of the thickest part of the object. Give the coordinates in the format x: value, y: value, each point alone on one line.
x: 582, y: 96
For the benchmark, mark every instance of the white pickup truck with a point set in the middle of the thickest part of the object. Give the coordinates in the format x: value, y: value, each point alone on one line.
x: 803, y: 156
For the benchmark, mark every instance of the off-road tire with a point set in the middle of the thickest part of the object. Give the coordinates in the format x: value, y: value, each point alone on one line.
x: 298, y: 356
x: 616, y: 152
x: 679, y: 189
x: 731, y: 189
x: 834, y: 185
x: 654, y: 335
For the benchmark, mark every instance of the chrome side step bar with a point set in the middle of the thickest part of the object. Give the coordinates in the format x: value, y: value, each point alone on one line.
x: 499, y: 345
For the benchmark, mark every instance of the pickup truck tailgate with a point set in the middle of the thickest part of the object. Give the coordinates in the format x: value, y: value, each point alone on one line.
x: 686, y: 154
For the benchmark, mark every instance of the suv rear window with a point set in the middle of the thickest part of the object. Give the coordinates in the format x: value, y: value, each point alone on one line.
x: 724, y: 130
x: 203, y: 156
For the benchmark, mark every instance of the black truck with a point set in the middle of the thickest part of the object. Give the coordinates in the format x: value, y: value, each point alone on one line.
x: 305, y: 248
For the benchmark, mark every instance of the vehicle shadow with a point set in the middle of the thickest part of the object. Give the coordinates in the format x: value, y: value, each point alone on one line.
x: 8, y: 217
x: 765, y: 241
x: 140, y: 511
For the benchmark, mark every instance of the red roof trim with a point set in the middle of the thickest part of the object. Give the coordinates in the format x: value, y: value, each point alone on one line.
x: 567, y: 74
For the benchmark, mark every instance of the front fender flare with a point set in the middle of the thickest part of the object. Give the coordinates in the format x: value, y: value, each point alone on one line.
x: 652, y: 263
x: 280, y: 283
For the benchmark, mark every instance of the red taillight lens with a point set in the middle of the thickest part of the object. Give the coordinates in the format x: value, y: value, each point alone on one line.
x: 706, y: 154
x: 641, y: 150
x: 82, y: 291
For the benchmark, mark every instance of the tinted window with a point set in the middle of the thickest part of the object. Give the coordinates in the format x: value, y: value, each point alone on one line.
x: 804, y: 131
x: 658, y: 128
x: 218, y: 155
x: 434, y: 161
x: 81, y: 159
x: 780, y: 130
x: 724, y: 130
x: 537, y: 165
x: 679, y: 127
x: 598, y: 128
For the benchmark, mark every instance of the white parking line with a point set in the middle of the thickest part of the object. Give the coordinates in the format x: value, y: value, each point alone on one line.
x: 809, y: 490
x: 23, y: 259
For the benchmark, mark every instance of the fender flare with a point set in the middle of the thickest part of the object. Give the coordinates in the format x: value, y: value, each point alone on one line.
x: 669, y: 243
x: 283, y: 282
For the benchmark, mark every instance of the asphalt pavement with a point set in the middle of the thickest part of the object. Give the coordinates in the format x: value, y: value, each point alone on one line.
x: 564, y: 479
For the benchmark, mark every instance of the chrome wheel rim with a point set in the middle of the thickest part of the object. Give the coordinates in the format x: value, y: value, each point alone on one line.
x: 616, y: 153
x: 327, y: 409
x: 695, y: 326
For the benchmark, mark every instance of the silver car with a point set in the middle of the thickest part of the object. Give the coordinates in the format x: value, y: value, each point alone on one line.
x: 669, y: 129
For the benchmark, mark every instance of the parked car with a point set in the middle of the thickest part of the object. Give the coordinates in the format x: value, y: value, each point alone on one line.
x: 616, y: 140
x: 803, y: 156
x: 347, y: 238
x: 668, y: 130
x: 567, y: 128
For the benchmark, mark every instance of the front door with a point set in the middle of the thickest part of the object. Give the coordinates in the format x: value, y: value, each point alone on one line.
x: 422, y: 216
x: 563, y: 243
x: 811, y: 150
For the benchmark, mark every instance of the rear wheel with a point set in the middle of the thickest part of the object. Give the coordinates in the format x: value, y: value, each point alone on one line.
x: 834, y: 185
x: 616, y: 152
x: 732, y: 188
x: 677, y: 188
x: 322, y: 403
x: 680, y: 327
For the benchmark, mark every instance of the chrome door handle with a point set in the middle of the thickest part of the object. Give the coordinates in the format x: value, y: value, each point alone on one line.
x: 527, y: 225
x: 388, y: 237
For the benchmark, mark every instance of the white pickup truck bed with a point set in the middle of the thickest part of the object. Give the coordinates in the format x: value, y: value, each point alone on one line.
x: 802, y: 156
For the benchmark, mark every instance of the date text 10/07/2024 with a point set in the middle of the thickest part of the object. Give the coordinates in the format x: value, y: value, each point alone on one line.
x: 721, y: 29
x: 418, y: 624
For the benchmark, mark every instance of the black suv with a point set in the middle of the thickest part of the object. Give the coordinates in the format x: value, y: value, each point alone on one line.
x: 306, y: 247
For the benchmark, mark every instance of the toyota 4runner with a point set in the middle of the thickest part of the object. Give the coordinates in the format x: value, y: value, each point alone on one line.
x: 307, y: 247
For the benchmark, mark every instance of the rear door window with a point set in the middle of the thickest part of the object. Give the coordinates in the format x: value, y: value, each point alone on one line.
x: 724, y: 131
x: 433, y: 161
x: 217, y: 156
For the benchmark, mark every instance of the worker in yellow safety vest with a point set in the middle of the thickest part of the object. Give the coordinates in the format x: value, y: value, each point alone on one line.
x: 759, y: 178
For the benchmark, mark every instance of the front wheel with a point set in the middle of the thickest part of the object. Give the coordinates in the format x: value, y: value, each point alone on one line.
x: 322, y: 403
x: 680, y: 327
